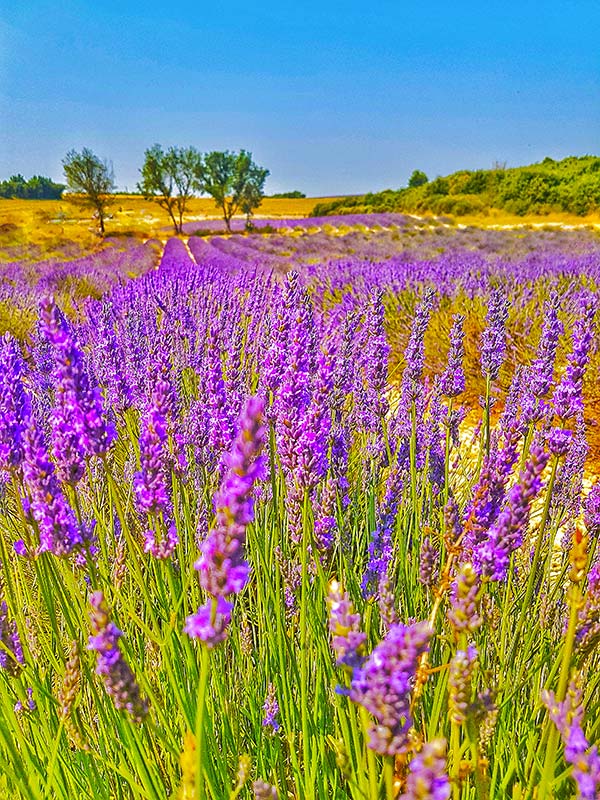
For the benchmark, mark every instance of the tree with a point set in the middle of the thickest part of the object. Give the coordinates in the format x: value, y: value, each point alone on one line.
x: 171, y: 178
x: 235, y: 182
x: 418, y: 178
x: 91, y: 178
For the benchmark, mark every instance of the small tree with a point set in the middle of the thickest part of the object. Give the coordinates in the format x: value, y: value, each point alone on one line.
x: 171, y: 178
x: 91, y: 178
x: 418, y: 178
x: 235, y: 182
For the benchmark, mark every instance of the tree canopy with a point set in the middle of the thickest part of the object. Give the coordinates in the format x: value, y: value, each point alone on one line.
x: 235, y: 182
x: 171, y: 178
x: 37, y: 187
x: 92, y: 179
x: 418, y: 178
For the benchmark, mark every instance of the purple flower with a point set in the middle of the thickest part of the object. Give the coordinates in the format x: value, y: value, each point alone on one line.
x: 210, y: 622
x: 20, y: 707
x: 452, y: 382
x: 491, y: 558
x: 78, y: 426
x: 540, y: 374
x: 411, y: 389
x: 264, y: 791
x: 588, y: 629
x: 218, y: 410
x: 567, y: 715
x: 380, y: 542
x: 152, y: 484
x: 428, y: 563
x: 347, y: 639
x: 375, y: 356
x: 592, y: 510
x: 568, y: 395
x: 15, y: 406
x: 271, y: 710
x: 493, y: 346
x: 118, y: 678
x: 58, y: 528
x: 11, y: 658
x: 427, y: 778
x: 324, y: 513
x: 222, y: 566
x: 383, y: 685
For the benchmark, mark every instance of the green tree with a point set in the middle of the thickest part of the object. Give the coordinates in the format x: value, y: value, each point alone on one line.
x: 418, y: 178
x: 92, y: 179
x: 171, y: 178
x: 235, y: 182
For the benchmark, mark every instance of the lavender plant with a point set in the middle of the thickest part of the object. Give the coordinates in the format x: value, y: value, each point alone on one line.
x: 371, y: 586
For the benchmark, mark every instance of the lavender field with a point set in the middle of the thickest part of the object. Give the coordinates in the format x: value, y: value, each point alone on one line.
x: 310, y: 514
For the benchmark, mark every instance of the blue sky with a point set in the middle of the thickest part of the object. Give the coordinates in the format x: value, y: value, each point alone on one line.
x: 331, y: 97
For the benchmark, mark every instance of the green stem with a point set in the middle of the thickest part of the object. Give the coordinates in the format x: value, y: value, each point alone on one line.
x: 306, y: 756
x: 545, y: 787
x: 371, y: 761
x: 200, y: 714
x: 525, y: 606
x: 388, y: 771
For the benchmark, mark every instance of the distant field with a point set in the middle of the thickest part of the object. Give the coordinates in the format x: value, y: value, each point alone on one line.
x: 36, y: 229
x: 51, y: 226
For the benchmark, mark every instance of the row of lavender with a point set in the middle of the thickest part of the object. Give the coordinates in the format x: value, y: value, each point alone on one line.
x: 24, y: 283
x: 323, y: 534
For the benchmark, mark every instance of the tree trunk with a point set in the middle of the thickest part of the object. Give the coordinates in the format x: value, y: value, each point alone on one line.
x: 173, y: 220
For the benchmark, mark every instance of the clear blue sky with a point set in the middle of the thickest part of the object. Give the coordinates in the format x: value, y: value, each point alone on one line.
x: 332, y: 97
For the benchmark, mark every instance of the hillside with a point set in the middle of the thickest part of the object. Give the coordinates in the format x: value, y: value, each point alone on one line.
x: 571, y: 185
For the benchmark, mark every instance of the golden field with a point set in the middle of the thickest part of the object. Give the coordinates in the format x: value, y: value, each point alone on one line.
x: 48, y: 226
x: 64, y: 228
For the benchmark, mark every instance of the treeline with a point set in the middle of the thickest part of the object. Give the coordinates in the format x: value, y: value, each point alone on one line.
x: 295, y: 195
x: 36, y: 188
x: 571, y: 185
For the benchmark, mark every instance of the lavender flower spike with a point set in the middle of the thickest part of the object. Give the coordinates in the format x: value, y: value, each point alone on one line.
x: 492, y: 557
x: 568, y: 717
x: 59, y: 532
x: 452, y: 382
x: 384, y: 683
x: 427, y: 779
x: 78, y: 426
x: 347, y: 639
x: 115, y: 672
x: 11, y: 655
x: 493, y: 347
x: 222, y: 567
x: 271, y: 710
x: 14, y: 404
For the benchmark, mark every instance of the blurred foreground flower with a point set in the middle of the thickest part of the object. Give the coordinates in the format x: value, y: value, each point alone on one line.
x: 118, y: 678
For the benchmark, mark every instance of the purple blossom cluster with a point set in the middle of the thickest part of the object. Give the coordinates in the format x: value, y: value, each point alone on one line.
x: 347, y: 638
x: 15, y: 405
x: 152, y: 484
x: 567, y: 715
x: 384, y: 682
x: 222, y: 566
x: 116, y: 674
x: 427, y: 778
x: 492, y: 556
x: 58, y: 527
x: 11, y: 652
x: 78, y: 425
